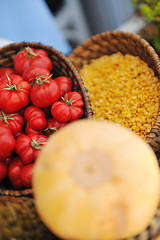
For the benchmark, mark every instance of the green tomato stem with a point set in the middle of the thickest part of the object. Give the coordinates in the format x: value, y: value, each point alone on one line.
x: 66, y: 101
x: 51, y: 129
x: 30, y: 53
x: 11, y: 87
x: 5, y: 118
x: 40, y: 80
x: 37, y: 145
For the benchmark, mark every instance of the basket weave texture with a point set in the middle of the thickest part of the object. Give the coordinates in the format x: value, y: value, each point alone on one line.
x: 108, y: 43
x: 62, y: 66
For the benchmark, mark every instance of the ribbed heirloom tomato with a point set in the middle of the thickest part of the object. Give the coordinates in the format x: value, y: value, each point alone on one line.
x: 65, y: 84
x: 5, y: 70
x: 76, y: 113
x: 26, y: 175
x: 52, y: 126
x: 31, y: 57
x: 14, y: 172
x: 44, y: 92
x: 75, y: 98
x: 34, y: 71
x: 14, y: 93
x: 35, y: 118
x: 20, y: 175
x: 69, y: 108
x: 61, y: 111
x: 29, y: 129
x: 14, y: 121
x: 76, y: 106
x: 28, y: 146
x: 7, y: 142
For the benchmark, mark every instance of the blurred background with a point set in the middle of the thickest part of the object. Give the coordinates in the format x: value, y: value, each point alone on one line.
x: 64, y: 24
x: 80, y: 19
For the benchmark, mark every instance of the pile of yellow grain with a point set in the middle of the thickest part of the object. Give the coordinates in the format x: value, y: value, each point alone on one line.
x: 123, y: 89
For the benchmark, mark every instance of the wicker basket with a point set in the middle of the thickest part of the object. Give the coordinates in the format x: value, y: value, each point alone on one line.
x: 108, y: 43
x: 61, y: 66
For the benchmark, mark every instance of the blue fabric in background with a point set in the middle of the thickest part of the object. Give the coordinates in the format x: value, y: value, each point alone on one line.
x: 31, y: 20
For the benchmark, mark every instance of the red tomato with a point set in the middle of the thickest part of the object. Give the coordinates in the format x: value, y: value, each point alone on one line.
x: 31, y: 57
x: 65, y: 84
x: 74, y: 99
x: 35, y: 118
x: 14, y: 93
x: 14, y: 172
x: 69, y: 109
x: 52, y: 126
x: 26, y: 175
x: 3, y: 171
x: 44, y: 92
x: 29, y: 146
x: 29, y: 130
x: 13, y: 121
x: 76, y: 113
x: 34, y: 71
x: 7, y: 142
x: 61, y: 112
x: 4, y: 71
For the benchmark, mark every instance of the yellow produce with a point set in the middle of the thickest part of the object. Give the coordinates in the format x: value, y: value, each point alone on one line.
x: 96, y: 180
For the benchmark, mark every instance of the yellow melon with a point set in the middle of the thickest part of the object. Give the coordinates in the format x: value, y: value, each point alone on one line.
x: 96, y: 180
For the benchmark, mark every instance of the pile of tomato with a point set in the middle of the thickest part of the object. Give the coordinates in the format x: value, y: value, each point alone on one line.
x: 33, y: 105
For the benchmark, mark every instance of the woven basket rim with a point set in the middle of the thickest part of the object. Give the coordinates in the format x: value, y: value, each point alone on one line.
x: 127, y: 35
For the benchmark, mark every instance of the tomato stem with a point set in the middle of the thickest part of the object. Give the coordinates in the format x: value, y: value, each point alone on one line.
x: 30, y: 53
x: 11, y: 87
x: 51, y: 129
x: 68, y: 101
x: 37, y: 145
x: 40, y: 80
x: 5, y: 117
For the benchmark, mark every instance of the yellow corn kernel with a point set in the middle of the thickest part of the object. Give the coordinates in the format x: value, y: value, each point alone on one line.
x: 123, y: 89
